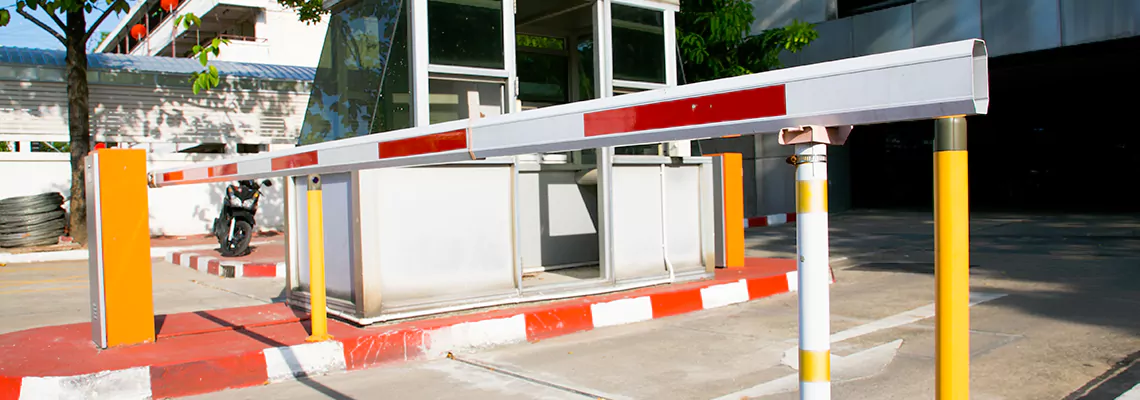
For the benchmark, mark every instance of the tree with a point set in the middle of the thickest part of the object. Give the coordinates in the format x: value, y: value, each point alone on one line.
x: 715, y: 40
x: 74, y: 33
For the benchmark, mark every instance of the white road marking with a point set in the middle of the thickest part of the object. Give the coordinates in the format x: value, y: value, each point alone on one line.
x: 1131, y: 394
x: 859, y: 365
x: 791, y: 355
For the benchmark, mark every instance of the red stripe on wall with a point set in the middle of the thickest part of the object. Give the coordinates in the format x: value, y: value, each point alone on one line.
x: 434, y: 143
x: 295, y: 161
x: 733, y: 106
x: 223, y: 170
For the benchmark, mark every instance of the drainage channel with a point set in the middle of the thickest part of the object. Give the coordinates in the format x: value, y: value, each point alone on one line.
x: 501, y: 371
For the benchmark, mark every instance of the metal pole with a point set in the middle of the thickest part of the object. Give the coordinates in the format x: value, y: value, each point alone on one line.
x: 812, y: 249
x: 318, y: 316
x: 952, y: 258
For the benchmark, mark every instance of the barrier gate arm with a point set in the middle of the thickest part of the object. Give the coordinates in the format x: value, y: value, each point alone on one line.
x: 921, y: 83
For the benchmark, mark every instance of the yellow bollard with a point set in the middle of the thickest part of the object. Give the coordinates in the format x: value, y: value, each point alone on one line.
x: 319, y: 314
x: 952, y: 259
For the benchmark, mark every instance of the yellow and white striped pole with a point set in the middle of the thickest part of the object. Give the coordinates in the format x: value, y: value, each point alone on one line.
x: 952, y: 259
x: 814, y: 276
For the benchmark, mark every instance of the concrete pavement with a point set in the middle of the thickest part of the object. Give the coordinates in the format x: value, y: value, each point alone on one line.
x: 53, y: 293
x: 1064, y: 327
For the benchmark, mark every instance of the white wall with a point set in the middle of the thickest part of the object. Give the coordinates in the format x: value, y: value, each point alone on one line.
x: 148, y: 114
x: 291, y: 42
x: 174, y: 211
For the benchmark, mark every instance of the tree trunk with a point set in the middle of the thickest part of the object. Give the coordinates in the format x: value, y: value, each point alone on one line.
x: 78, y: 122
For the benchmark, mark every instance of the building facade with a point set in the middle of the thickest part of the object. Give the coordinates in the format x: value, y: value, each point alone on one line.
x: 260, y: 31
x: 1055, y: 66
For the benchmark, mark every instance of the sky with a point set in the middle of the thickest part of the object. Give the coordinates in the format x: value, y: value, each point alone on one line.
x: 23, y: 33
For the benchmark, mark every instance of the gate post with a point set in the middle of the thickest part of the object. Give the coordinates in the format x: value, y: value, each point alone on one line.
x: 813, y: 255
x: 728, y: 212
x: 318, y: 314
x: 952, y: 259
x: 122, y: 298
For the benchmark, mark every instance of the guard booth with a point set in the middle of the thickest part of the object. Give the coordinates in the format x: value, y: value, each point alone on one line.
x: 402, y: 242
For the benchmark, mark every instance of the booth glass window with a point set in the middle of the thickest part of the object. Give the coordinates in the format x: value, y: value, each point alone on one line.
x: 466, y: 33
x: 449, y: 99
x: 638, y: 44
x: 362, y: 77
x: 585, y: 49
x: 542, y: 69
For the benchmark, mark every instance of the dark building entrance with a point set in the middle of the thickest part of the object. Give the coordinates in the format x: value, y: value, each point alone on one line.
x: 1061, y: 135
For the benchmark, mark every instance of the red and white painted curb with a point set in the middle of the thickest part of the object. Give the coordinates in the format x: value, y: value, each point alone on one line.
x: 769, y: 220
x: 226, y: 268
x: 419, y: 340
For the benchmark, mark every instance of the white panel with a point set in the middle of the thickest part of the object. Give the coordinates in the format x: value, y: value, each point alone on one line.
x: 457, y: 243
x: 556, y: 219
x: 637, y: 222
x: 301, y: 223
x: 683, y: 216
x: 530, y: 219
x: 569, y: 213
x: 339, y: 235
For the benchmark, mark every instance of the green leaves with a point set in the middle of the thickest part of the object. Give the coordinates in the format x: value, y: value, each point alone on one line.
x: 308, y: 11
x: 187, y: 20
x: 5, y: 16
x: 715, y: 40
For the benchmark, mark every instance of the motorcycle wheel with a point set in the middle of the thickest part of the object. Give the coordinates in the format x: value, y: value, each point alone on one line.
x: 239, y: 246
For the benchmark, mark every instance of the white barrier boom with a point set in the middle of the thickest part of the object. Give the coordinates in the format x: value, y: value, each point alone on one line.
x: 921, y: 83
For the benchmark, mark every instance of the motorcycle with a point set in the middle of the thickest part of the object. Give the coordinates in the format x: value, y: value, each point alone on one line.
x: 234, y: 226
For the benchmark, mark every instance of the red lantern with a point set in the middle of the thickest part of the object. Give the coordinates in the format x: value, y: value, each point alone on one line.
x: 138, y: 31
x: 169, y: 5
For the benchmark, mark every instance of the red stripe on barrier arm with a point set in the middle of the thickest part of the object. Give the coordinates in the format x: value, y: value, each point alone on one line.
x: 172, y: 176
x: 434, y: 143
x: 733, y: 106
x: 294, y: 161
x: 223, y: 170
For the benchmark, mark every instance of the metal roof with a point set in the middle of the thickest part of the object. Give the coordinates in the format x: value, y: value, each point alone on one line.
x: 170, y: 65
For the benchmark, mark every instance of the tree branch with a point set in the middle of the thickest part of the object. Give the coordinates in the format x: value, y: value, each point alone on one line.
x: 43, y: 25
x: 62, y: 25
x: 98, y: 22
